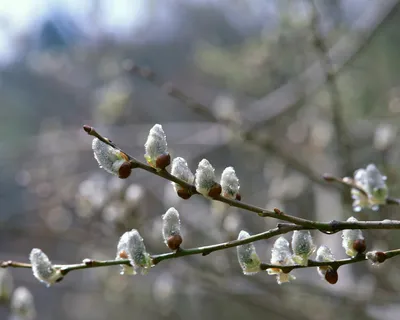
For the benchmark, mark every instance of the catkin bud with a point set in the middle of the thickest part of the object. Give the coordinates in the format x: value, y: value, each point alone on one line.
x: 156, y: 148
x: 331, y: 275
x: 303, y: 246
x: 281, y: 256
x: 360, y: 200
x: 230, y: 183
x: 180, y: 169
x: 22, y: 304
x: 352, y: 240
x: 377, y: 189
x: 172, y: 229
x: 376, y: 257
x: 205, y: 180
x: 110, y: 159
x: 247, y: 256
x: 131, y: 245
x: 42, y: 268
x: 324, y: 254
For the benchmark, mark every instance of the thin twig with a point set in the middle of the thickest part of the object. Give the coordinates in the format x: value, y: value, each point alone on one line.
x: 350, y: 183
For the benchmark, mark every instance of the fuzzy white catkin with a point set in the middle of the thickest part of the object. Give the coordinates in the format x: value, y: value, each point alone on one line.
x: 108, y: 158
x: 180, y: 169
x: 156, y: 144
x: 302, y: 245
x: 281, y: 256
x: 171, y: 224
x: 42, y: 267
x: 229, y: 183
x: 324, y: 254
x: 132, y: 243
x: 280, y: 253
x: 205, y: 177
x: 247, y: 256
x: 22, y: 304
x: 349, y: 236
x: 374, y: 178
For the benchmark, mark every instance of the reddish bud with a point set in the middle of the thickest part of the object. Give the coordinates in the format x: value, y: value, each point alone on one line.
x: 277, y: 211
x: 124, y: 170
x: 87, y: 129
x: 215, y: 190
x: 359, y: 245
x: 163, y: 161
x: 327, y: 177
x: 184, y: 194
x: 331, y: 275
x: 238, y: 197
x: 380, y: 256
x: 123, y: 255
x: 174, y: 242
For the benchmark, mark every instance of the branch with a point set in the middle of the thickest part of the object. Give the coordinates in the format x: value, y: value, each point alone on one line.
x: 334, y: 264
x: 350, y: 183
x: 326, y: 227
x: 90, y: 263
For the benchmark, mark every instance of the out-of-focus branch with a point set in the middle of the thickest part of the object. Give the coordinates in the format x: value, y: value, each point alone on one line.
x: 280, y: 101
x: 342, y: 138
x: 248, y: 136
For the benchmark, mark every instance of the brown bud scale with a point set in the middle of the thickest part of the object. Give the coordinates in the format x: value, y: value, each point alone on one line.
x: 215, y: 190
x: 327, y: 177
x: 238, y: 197
x: 359, y: 245
x: 331, y: 276
x: 380, y: 256
x: 163, y: 161
x: 174, y: 242
x: 123, y: 255
x: 124, y: 170
x: 184, y: 194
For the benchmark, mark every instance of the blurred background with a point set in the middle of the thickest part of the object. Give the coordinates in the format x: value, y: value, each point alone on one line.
x: 308, y: 88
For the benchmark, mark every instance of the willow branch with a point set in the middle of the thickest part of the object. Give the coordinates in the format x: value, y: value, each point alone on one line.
x: 350, y: 183
x: 90, y: 263
x: 326, y: 227
x: 205, y: 250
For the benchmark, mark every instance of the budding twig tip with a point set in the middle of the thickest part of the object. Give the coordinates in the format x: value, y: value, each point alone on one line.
x: 88, y: 129
x: 328, y: 177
